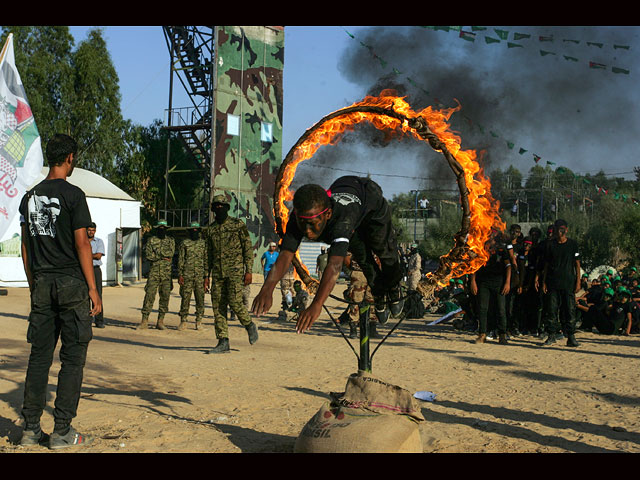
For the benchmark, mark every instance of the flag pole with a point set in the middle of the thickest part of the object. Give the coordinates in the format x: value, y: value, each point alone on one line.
x: 6, y: 46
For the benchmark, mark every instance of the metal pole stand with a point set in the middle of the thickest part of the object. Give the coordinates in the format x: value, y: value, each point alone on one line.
x: 364, y: 361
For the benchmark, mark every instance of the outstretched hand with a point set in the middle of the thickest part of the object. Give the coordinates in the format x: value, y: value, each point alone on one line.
x: 262, y: 303
x: 308, y: 317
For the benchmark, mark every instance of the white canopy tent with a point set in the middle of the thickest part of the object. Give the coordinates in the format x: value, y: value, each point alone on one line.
x: 112, y: 210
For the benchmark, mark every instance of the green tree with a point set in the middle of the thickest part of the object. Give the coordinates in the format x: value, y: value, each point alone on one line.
x: 97, y: 122
x: 43, y: 58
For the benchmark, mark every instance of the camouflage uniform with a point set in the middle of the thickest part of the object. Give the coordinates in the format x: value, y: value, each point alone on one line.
x: 413, y: 271
x: 159, y: 279
x: 358, y: 291
x: 192, y: 267
x: 286, y: 287
x: 230, y: 255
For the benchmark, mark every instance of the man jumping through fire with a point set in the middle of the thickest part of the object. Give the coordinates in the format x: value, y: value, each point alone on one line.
x: 352, y: 216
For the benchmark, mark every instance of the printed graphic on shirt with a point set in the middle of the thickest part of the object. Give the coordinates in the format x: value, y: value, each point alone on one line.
x: 346, y: 198
x: 43, y: 212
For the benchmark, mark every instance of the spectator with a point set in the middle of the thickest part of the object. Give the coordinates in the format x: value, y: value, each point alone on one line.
x: 269, y: 258
x: 97, y: 252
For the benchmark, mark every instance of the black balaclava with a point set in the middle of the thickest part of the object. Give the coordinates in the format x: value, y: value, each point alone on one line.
x: 161, y: 232
x: 221, y: 211
x: 194, y: 234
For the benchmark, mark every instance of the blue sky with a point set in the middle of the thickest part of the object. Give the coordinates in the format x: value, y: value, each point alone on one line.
x: 565, y: 112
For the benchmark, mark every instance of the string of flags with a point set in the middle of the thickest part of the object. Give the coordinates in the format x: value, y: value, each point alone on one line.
x: 503, y: 35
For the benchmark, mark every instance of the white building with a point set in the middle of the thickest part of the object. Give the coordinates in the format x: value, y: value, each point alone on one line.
x: 116, y: 215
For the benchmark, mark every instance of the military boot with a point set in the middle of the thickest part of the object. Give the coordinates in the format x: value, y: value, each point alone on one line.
x: 160, y: 324
x: 252, y: 330
x: 144, y: 324
x: 183, y: 324
x: 502, y: 339
x: 373, y: 331
x: 222, y: 347
x: 571, y: 341
x: 353, y: 330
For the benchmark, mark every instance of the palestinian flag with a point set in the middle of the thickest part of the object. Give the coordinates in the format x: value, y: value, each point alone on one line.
x: 468, y: 36
x: 597, y: 65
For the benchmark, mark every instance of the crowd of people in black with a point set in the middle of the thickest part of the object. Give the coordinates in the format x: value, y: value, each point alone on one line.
x: 534, y: 285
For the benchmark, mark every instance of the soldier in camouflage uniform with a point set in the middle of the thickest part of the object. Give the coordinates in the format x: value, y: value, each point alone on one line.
x: 159, y: 251
x: 358, y: 291
x: 413, y: 269
x: 230, y: 255
x: 192, y: 273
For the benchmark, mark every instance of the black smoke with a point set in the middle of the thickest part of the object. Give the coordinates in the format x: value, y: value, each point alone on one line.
x: 559, y: 109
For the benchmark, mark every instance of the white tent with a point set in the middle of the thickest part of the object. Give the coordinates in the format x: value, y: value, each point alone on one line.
x: 112, y: 210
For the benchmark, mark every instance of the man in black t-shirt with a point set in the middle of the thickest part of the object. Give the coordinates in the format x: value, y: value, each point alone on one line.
x: 560, y: 283
x: 491, y: 283
x: 58, y: 263
x: 352, y: 216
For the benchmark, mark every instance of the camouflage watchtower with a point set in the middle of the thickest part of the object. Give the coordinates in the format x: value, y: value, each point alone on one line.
x: 235, y: 72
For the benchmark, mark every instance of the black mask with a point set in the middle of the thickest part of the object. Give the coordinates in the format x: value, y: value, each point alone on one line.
x: 194, y: 234
x: 161, y: 233
x: 221, y: 212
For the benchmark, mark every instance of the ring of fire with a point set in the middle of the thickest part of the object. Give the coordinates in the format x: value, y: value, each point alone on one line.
x: 480, y: 211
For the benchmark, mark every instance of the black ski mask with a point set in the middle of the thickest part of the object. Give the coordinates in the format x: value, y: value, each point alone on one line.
x: 194, y: 234
x: 221, y: 211
x: 161, y: 232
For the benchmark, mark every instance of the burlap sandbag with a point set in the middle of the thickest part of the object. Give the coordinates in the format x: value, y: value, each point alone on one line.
x: 371, y: 416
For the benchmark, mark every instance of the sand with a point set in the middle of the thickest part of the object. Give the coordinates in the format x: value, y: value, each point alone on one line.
x: 160, y: 392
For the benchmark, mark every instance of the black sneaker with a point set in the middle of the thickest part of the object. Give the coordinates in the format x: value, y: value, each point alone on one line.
x: 70, y: 439
x: 381, y: 309
x: 252, y: 330
x: 572, y: 342
x: 396, y: 301
x: 34, y: 437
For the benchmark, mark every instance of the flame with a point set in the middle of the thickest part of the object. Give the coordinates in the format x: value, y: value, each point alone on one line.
x: 484, y: 208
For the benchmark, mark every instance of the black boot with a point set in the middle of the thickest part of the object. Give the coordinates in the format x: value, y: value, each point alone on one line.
x: 222, y: 347
x: 551, y: 339
x: 353, y: 330
x: 571, y: 341
x: 252, y: 330
x: 373, y: 332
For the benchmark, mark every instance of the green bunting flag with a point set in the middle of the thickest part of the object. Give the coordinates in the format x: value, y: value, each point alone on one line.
x: 619, y: 70
x: 491, y: 40
x: 594, y: 44
x: 597, y: 65
x: 503, y: 34
x: 348, y: 33
x: 626, y: 47
x: 510, y: 145
x: 549, y: 163
x: 573, y: 59
x: 536, y: 158
x: 543, y: 38
x: 522, y: 150
x: 569, y: 40
x: 520, y: 36
x: 513, y: 45
x: 544, y: 52
x: 478, y: 29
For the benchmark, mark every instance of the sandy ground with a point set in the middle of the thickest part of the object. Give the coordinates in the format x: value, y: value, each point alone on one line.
x: 159, y: 391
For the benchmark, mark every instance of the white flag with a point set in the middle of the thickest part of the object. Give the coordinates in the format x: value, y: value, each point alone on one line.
x: 20, y: 149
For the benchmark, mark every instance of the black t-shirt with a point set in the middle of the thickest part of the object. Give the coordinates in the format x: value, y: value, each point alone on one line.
x: 618, y: 314
x: 351, y: 202
x: 495, y: 268
x: 594, y: 294
x: 52, y: 211
x: 560, y: 260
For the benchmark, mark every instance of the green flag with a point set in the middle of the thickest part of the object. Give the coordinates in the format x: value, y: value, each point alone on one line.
x: 520, y: 36
x: 478, y: 29
x: 594, y: 44
x: 503, y: 34
x: 548, y: 38
x: 597, y: 65
x: 569, y: 40
x: 544, y: 52
x: 626, y: 47
x: 619, y: 70
x: 549, y: 163
x: 510, y: 145
x: 493, y: 134
x: 573, y: 59
x: 444, y: 29
x: 536, y: 158
x: 513, y: 45
x: 491, y: 40
x: 522, y: 150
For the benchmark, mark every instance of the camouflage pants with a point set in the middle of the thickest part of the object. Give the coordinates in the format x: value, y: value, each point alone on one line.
x: 286, y: 285
x: 413, y: 279
x: 246, y: 294
x: 227, y: 292
x: 358, y: 291
x: 193, y: 285
x: 157, y: 284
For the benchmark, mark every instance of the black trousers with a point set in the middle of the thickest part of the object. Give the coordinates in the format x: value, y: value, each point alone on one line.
x: 489, y: 293
x: 376, y: 235
x: 560, y: 311
x: 60, y: 309
x: 97, y: 273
